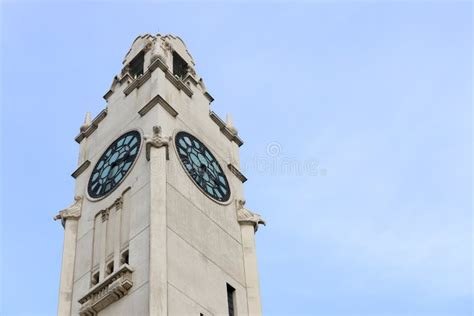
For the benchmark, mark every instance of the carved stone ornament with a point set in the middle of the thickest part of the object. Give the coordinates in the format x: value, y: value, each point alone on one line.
x: 165, y: 46
x: 73, y: 211
x: 148, y: 46
x: 118, y: 203
x: 192, y: 71
x: 104, y: 215
x: 156, y: 141
x: 245, y: 216
x: 113, y: 288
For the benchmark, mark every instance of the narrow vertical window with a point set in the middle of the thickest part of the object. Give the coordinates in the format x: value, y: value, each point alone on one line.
x: 110, y: 268
x: 124, y: 257
x: 136, y: 65
x: 180, y: 67
x: 230, y: 300
x: 95, y: 278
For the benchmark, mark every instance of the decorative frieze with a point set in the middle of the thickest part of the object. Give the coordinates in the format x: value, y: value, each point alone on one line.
x: 111, y: 289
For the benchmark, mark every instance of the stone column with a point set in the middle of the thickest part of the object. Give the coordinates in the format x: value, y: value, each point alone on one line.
x: 103, y: 243
x: 248, y: 226
x: 70, y: 219
x: 118, y: 227
x: 157, y: 153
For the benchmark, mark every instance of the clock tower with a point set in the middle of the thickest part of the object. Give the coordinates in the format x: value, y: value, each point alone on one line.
x: 158, y: 225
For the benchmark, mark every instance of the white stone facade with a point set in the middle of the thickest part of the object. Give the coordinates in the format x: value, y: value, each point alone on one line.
x: 158, y: 245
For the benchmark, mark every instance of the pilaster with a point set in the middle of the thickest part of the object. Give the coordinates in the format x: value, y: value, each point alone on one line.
x: 69, y: 218
x: 249, y: 222
x: 156, y: 151
x: 118, y: 205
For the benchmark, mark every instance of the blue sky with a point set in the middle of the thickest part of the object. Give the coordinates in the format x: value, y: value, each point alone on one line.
x: 357, y: 124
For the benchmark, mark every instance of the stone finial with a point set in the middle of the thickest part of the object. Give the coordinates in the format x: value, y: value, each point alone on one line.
x: 87, y: 122
x: 245, y: 216
x: 73, y: 211
x: 230, y: 126
x: 157, y: 141
x: 202, y: 85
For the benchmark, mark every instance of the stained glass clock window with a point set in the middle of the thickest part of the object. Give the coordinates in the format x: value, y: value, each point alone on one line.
x: 202, y: 166
x: 114, y: 164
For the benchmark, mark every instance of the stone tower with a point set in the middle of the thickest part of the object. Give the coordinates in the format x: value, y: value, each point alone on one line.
x: 158, y: 225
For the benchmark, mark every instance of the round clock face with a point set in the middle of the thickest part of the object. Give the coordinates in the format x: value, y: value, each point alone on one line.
x: 114, y: 164
x: 202, y: 167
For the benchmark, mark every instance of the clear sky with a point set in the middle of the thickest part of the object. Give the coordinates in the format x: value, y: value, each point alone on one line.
x: 357, y: 124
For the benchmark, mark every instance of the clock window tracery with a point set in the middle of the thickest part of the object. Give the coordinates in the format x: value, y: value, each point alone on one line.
x: 202, y: 166
x: 114, y: 164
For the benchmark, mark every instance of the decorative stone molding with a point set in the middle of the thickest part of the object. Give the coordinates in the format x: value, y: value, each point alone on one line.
x: 190, y: 78
x: 107, y: 95
x: 111, y: 289
x: 111, y: 91
x: 117, y: 204
x: 166, y: 47
x: 176, y: 41
x: 157, y: 141
x: 159, y: 48
x: 160, y: 51
x: 145, y: 40
x: 158, y: 61
x: 80, y: 169
x: 93, y: 126
x: 158, y: 99
x: 236, y: 172
x: 245, y: 216
x: 137, y: 83
x: 126, y: 78
x: 148, y: 46
x: 180, y: 85
x: 104, y: 214
x: 209, y: 97
x: 230, y: 134
x: 72, y: 212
